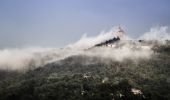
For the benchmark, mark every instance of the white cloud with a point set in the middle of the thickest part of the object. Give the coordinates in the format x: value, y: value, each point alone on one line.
x: 25, y: 58
x: 156, y: 33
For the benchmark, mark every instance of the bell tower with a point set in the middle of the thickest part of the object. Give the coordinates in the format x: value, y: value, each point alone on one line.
x: 120, y: 33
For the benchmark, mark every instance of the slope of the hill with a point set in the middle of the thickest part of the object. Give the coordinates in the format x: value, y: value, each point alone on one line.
x: 83, y: 77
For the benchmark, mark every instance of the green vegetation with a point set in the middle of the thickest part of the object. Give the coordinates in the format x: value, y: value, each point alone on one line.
x: 74, y: 79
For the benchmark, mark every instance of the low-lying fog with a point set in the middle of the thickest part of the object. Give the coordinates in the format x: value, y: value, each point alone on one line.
x: 23, y: 58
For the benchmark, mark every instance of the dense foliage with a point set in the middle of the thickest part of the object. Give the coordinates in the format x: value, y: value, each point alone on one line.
x: 91, y: 78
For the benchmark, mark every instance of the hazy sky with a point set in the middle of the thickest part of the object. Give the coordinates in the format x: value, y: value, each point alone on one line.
x: 55, y: 23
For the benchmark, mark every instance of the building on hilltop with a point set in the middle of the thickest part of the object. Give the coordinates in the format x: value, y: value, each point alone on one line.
x: 118, y: 36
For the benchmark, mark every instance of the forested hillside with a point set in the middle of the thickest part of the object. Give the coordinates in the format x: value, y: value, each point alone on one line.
x: 82, y: 77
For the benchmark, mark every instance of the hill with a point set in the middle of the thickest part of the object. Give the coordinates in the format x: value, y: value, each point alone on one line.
x: 84, y: 77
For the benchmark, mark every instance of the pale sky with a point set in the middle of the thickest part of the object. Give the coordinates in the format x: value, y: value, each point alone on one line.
x: 56, y: 23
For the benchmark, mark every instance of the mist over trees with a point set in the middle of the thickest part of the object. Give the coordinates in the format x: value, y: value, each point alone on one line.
x: 83, y: 77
